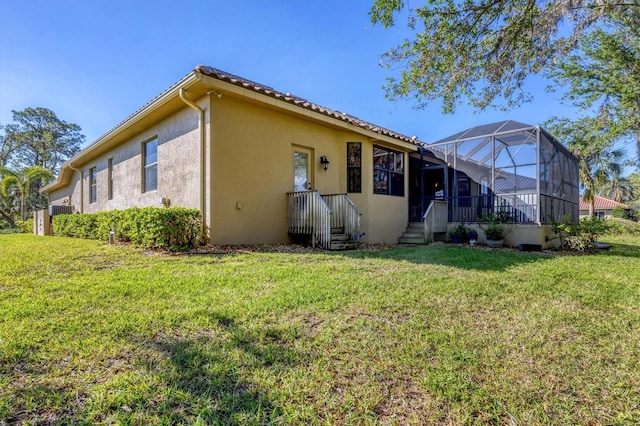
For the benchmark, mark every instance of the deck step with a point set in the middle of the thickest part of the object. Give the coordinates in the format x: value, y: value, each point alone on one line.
x: 411, y: 240
x: 344, y: 245
x: 414, y: 234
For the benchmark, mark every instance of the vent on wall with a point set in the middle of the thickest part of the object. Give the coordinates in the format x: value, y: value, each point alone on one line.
x: 54, y: 210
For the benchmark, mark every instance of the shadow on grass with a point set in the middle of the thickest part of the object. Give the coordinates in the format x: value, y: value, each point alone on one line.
x: 212, y: 374
x: 625, y: 250
x: 469, y: 258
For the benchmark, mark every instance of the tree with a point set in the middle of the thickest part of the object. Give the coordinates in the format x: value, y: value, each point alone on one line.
x: 19, y: 184
x: 483, y: 50
x: 604, y: 74
x: 6, y: 149
x: 617, y: 188
x: 7, y: 211
x: 589, y: 139
x: 39, y: 138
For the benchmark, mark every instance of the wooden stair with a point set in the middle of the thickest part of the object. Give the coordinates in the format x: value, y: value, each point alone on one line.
x: 342, y: 241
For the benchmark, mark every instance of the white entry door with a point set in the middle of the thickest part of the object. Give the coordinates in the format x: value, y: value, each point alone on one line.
x: 302, y: 169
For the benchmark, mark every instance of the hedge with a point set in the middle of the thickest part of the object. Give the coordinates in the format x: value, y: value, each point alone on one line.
x: 174, y: 228
x: 25, y: 225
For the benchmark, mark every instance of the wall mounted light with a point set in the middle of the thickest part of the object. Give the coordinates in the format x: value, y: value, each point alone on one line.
x: 325, y: 162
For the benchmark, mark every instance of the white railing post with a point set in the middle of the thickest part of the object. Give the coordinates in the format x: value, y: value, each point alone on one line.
x: 309, y: 213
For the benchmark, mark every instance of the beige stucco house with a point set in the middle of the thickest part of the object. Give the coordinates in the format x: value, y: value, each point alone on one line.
x: 234, y: 149
x: 264, y: 167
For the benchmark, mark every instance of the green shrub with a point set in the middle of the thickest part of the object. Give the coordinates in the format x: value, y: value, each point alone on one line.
x: 174, y: 228
x: 25, y: 225
x: 10, y: 231
x: 459, y: 233
x: 579, y: 236
x: 619, y: 212
x: 619, y: 226
x: 76, y: 225
x: 497, y: 225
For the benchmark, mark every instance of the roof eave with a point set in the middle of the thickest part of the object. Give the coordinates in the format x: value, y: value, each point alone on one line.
x: 116, y: 135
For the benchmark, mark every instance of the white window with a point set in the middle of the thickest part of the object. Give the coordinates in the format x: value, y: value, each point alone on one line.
x: 110, y: 178
x: 93, y: 178
x: 150, y: 172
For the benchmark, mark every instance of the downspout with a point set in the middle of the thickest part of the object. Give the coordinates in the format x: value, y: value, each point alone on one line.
x: 538, y: 186
x: 422, y: 207
x: 81, y: 187
x: 196, y: 107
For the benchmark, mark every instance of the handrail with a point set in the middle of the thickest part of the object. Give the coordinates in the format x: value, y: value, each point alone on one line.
x: 321, y: 222
x: 345, y: 214
x: 427, y: 218
x: 435, y: 219
x: 309, y: 214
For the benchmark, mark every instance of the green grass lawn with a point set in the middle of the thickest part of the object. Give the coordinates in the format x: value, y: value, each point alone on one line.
x: 96, y: 334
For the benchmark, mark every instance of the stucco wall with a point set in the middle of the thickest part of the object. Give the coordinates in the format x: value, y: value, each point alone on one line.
x: 249, y: 170
x: 252, y: 170
x: 525, y: 233
x: 384, y: 217
x: 69, y: 195
x: 178, y: 169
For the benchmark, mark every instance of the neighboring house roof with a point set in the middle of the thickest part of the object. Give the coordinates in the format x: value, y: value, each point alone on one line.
x: 601, y: 203
x: 197, y: 83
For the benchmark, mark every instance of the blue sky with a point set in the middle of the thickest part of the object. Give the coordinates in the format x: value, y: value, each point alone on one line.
x: 95, y: 62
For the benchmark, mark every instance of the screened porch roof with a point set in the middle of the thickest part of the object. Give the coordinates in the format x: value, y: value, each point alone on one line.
x: 508, y: 132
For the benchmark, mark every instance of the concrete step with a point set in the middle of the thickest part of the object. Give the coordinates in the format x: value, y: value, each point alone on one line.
x: 413, y: 234
x: 411, y: 240
x: 340, y: 237
x: 337, y: 230
x: 344, y: 245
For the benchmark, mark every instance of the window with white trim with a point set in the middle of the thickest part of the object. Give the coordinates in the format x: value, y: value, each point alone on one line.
x: 110, y: 178
x: 93, y: 180
x: 150, y: 165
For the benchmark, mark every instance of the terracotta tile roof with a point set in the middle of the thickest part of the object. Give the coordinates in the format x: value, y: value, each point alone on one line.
x: 301, y: 102
x: 602, y: 203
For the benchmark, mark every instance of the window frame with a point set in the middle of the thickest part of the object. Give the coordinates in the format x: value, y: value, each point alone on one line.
x: 386, y: 172
x: 93, y: 185
x: 110, y: 178
x: 354, y: 167
x: 147, y: 166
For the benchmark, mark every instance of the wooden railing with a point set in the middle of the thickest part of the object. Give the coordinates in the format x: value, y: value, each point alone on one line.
x: 435, y: 219
x: 309, y: 213
x: 345, y: 214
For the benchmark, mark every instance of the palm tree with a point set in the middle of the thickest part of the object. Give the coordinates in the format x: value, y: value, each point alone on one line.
x: 618, y: 188
x: 589, y: 140
x: 20, y: 183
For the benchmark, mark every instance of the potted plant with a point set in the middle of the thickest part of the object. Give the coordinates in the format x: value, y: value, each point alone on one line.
x: 495, y: 228
x: 473, y: 237
x: 459, y: 234
x: 494, y: 233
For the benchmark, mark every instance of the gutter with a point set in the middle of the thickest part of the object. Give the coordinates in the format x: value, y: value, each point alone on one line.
x: 201, y: 125
x: 81, y: 187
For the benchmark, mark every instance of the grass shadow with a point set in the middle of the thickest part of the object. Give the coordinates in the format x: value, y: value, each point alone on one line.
x: 624, y: 250
x: 214, y: 370
x: 456, y: 256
